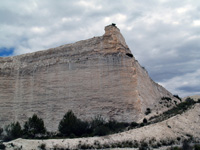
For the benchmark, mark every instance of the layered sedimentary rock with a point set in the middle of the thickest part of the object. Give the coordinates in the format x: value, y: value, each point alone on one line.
x: 98, y: 76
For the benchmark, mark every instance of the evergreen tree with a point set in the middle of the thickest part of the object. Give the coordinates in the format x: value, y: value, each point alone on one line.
x: 71, y: 125
x: 13, y: 131
x: 34, y: 126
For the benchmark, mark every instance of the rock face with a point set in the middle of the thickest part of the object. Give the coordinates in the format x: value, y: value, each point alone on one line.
x: 98, y: 76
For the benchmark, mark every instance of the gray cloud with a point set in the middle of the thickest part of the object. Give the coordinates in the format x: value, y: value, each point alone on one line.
x: 189, y: 88
x: 162, y: 34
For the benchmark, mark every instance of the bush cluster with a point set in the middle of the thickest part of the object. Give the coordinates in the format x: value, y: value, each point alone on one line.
x: 13, y: 131
x: 186, y: 145
x: 181, y: 107
x: 71, y: 126
x: 166, y: 98
x: 2, y: 146
x: 148, y: 111
x: 33, y: 128
x: 177, y: 97
x: 178, y: 109
x: 118, y: 144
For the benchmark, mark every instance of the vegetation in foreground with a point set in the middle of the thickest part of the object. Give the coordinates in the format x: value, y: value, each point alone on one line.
x: 141, y: 145
x: 178, y: 109
x: 71, y: 127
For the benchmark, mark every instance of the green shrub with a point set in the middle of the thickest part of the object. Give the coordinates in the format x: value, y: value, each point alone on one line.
x: 42, y: 146
x: 190, y: 100
x: 145, y: 121
x: 177, y: 97
x: 128, y: 144
x: 13, y: 131
x: 178, y: 138
x: 106, y: 146
x: 186, y: 145
x: 134, y: 124
x: 97, y: 121
x: 163, y: 142
x: 166, y: 98
x: 70, y: 124
x: 115, y: 126
x: 148, y: 111
x: 175, y: 148
x: 85, y: 146
x: 141, y: 124
x: 34, y: 126
x: 178, y: 109
x: 98, y: 126
x: 143, y: 146
x: 97, y: 143
x: 101, y: 130
x: 196, y: 147
x: 2, y: 146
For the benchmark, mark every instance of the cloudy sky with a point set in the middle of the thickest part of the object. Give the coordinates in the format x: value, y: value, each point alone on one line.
x: 163, y: 35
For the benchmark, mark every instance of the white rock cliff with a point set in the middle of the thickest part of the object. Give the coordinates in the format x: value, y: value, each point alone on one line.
x: 98, y: 76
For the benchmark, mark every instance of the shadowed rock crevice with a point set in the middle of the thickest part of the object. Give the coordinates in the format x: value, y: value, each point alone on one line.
x: 129, y: 55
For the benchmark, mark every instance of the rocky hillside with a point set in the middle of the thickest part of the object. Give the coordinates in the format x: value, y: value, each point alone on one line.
x: 172, y: 131
x: 194, y: 97
x: 98, y: 76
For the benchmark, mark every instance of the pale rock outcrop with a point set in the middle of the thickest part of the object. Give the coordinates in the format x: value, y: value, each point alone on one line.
x: 98, y: 76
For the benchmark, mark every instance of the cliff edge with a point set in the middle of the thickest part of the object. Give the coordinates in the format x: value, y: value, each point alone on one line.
x: 98, y: 76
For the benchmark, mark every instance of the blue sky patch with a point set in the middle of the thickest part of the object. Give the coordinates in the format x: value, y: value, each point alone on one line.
x: 4, y: 52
